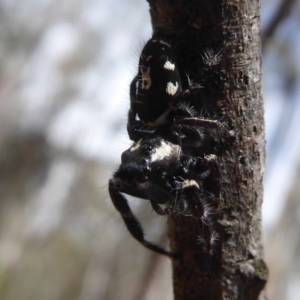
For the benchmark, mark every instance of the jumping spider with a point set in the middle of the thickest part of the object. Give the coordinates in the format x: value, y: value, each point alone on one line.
x: 168, y: 162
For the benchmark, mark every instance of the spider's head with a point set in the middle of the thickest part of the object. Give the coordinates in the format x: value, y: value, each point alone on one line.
x: 152, y: 152
x: 148, y: 159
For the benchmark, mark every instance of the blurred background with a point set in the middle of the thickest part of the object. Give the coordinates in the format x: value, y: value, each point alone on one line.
x: 65, y: 70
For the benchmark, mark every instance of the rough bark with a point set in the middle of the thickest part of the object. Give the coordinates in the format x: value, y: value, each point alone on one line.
x: 237, y: 271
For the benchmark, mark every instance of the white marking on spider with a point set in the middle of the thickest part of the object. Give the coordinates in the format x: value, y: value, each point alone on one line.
x: 149, y: 57
x: 164, y: 151
x: 189, y: 183
x: 169, y: 66
x: 136, y: 146
x: 162, y: 42
x: 171, y: 88
x: 137, y: 87
x: 165, y: 43
x: 211, y: 157
x: 146, y: 79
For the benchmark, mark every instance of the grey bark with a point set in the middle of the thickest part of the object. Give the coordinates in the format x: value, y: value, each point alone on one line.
x: 237, y: 271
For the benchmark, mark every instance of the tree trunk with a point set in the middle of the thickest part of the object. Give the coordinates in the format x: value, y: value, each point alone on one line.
x: 237, y: 270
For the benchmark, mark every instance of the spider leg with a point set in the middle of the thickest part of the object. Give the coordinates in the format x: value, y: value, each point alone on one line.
x: 213, y: 182
x: 194, y: 134
x: 208, y: 238
x: 196, y: 121
x: 207, y: 171
x: 138, y: 130
x: 157, y: 208
x: 131, y: 222
x: 141, y: 194
x: 135, y: 128
x: 161, y: 192
x: 193, y: 197
x: 167, y: 191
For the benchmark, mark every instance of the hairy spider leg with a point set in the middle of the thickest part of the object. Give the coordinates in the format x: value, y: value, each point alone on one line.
x: 208, y: 238
x: 213, y: 183
x: 197, y: 121
x: 195, y: 204
x: 132, y: 223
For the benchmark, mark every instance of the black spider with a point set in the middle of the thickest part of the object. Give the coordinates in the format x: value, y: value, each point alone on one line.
x: 159, y: 171
x: 167, y: 164
x: 158, y: 104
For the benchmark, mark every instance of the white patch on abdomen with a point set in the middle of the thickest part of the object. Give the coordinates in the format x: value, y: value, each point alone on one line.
x: 169, y: 66
x: 171, y: 88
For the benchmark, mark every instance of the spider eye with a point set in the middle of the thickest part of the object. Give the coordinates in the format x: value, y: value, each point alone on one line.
x: 148, y: 150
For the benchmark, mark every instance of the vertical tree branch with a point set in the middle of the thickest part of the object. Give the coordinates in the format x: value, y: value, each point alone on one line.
x: 237, y: 271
